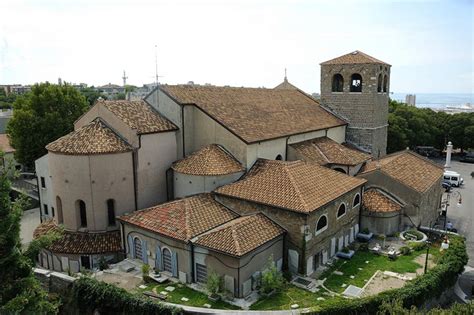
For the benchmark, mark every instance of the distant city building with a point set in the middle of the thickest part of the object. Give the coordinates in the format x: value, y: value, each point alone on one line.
x: 410, y: 99
x: 16, y: 88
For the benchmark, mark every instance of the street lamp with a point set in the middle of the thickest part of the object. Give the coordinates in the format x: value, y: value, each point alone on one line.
x: 428, y: 243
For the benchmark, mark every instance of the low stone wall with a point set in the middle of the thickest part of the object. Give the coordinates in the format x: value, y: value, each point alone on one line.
x: 54, y: 282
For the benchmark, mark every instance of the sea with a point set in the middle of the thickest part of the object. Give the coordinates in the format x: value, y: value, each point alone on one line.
x: 437, y: 100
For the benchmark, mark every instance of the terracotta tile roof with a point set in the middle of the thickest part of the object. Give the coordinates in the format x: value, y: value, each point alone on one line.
x: 140, y: 116
x: 327, y: 151
x: 181, y: 219
x: 285, y: 85
x: 297, y: 186
x: 257, y: 114
x: 81, y: 242
x: 355, y: 57
x: 5, y: 144
x: 408, y: 168
x: 242, y: 235
x: 93, y: 138
x: 376, y: 201
x: 210, y: 160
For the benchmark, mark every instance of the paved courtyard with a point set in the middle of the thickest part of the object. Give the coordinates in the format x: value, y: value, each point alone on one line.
x: 29, y: 221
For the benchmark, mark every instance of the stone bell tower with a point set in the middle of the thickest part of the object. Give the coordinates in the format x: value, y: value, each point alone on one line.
x: 356, y: 87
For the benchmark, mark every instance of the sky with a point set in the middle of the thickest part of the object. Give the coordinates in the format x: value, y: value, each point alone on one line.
x: 430, y: 44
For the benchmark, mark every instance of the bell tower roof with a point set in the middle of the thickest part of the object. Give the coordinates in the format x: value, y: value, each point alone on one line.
x: 355, y: 57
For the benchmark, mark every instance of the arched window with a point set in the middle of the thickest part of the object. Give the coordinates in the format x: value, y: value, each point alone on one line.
x: 341, y: 211
x: 137, y: 245
x: 356, y: 83
x: 379, y: 83
x: 322, y: 224
x: 337, y: 83
x: 59, y: 206
x: 111, y: 211
x: 385, y: 83
x: 167, y: 264
x: 356, y: 200
x: 82, y: 213
x: 279, y: 157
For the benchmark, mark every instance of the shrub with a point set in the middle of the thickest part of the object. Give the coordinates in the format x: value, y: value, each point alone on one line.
x: 214, y: 283
x: 91, y: 295
x: 345, y: 250
x: 44, y: 241
x: 103, y: 264
x: 365, y: 231
x: 145, y: 273
x: 405, y: 250
x: 417, y: 246
x: 272, y: 279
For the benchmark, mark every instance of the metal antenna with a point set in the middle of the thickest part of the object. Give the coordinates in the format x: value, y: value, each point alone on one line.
x: 285, y: 76
x: 124, y: 78
x: 156, y: 65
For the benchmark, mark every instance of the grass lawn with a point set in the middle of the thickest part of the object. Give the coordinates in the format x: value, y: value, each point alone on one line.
x: 290, y: 295
x: 361, y: 270
x: 196, y: 298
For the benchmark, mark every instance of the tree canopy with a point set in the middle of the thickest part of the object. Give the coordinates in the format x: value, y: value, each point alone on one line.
x: 42, y: 116
x: 20, y: 292
x: 6, y: 101
x: 410, y: 126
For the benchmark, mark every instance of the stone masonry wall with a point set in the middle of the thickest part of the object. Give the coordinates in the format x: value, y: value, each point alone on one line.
x: 366, y: 111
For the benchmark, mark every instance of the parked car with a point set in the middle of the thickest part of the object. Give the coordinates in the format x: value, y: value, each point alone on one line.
x: 468, y: 157
x: 446, y: 186
x: 453, y: 178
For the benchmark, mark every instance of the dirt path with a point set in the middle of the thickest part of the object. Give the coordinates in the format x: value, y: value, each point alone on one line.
x: 381, y: 283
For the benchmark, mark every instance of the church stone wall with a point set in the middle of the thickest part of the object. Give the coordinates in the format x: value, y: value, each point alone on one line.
x: 366, y: 111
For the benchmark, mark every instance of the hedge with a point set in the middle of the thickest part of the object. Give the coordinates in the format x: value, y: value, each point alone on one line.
x: 416, y: 292
x: 90, y: 295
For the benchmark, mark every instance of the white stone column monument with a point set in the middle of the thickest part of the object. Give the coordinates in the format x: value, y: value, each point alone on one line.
x: 449, y: 150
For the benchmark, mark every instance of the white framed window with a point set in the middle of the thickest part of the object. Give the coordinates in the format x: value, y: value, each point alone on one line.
x: 321, y: 225
x: 341, y: 211
x: 356, y: 200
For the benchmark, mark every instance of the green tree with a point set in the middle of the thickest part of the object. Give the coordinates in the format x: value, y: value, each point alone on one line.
x: 272, y: 279
x: 6, y: 101
x: 92, y: 94
x: 20, y: 292
x: 42, y: 116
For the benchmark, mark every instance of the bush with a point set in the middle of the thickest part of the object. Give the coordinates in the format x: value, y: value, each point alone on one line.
x: 145, y: 273
x: 345, y: 250
x: 214, y: 283
x: 44, y: 241
x: 417, y: 246
x: 405, y: 250
x: 103, y: 264
x: 272, y: 279
x: 92, y: 295
x: 365, y: 231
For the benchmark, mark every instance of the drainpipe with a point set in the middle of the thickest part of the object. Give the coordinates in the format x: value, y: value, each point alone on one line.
x: 360, y: 206
x: 182, y: 130
x: 192, y: 263
x: 39, y: 197
x: 134, y: 170
x: 122, y: 229
x: 286, y: 149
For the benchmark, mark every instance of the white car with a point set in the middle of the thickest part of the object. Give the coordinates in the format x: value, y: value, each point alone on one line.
x: 453, y: 178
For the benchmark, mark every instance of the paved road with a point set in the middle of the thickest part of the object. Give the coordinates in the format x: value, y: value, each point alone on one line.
x: 462, y: 217
x: 29, y: 221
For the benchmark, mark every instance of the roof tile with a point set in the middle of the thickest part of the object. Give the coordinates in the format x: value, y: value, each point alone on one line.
x: 376, y: 201
x: 81, y: 242
x: 355, y: 57
x: 408, y: 168
x: 211, y: 160
x: 327, y: 151
x: 297, y: 186
x: 140, y: 116
x: 242, y: 235
x: 181, y: 219
x: 257, y: 114
x: 93, y: 138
